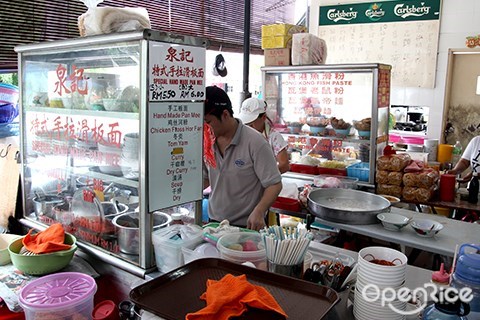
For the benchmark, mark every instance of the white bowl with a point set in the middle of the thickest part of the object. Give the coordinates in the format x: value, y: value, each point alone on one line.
x: 5, y: 240
x: 393, y: 221
x: 426, y: 228
x: 382, y: 253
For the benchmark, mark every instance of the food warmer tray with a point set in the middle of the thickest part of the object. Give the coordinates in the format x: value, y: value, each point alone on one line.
x: 347, y: 205
x: 174, y: 294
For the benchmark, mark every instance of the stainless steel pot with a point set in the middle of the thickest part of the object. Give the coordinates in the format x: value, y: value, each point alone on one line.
x: 127, y: 225
x: 347, y: 205
x: 43, y: 205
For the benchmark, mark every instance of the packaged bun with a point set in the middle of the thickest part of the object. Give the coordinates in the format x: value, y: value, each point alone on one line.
x: 425, y: 179
x: 390, y: 190
x: 394, y: 162
x: 395, y: 178
x: 381, y: 176
x: 418, y: 194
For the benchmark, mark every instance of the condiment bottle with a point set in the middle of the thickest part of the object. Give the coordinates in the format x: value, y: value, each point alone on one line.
x: 176, y: 218
x: 473, y: 188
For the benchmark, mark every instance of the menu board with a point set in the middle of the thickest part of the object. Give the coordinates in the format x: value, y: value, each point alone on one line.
x: 177, y: 72
x: 175, y: 137
x: 410, y: 47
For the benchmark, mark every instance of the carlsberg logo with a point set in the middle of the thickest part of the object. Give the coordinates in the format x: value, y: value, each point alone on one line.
x: 335, y: 15
x: 404, y: 10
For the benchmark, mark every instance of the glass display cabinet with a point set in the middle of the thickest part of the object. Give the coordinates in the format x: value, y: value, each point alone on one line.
x: 337, y: 115
x: 111, y: 138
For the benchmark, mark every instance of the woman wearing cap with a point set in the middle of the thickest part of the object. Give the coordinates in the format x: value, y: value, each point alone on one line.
x: 253, y: 113
x: 239, y: 166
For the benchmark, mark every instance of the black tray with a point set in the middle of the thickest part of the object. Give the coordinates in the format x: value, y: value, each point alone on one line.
x: 174, y: 294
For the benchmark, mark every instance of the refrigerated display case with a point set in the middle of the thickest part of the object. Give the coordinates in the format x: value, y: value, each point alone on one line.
x: 336, y: 114
x: 111, y: 138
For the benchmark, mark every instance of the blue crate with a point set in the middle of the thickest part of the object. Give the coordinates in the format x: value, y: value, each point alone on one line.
x: 359, y: 170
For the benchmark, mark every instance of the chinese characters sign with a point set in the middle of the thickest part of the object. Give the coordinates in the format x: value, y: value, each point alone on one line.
x: 315, y: 94
x: 175, y: 176
x: 176, y: 72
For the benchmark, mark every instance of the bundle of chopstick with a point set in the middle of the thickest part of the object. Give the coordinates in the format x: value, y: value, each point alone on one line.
x: 286, y: 246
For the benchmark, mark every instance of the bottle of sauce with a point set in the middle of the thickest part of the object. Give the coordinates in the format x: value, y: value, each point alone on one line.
x: 473, y: 188
x: 176, y: 218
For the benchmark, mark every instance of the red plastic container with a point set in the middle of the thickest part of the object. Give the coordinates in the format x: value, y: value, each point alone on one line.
x: 287, y: 204
x: 331, y: 171
x: 304, y: 168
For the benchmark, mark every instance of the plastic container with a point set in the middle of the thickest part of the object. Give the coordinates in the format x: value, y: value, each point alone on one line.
x: 323, y: 180
x: 467, y: 274
x: 303, y: 168
x: 60, y: 296
x: 168, y: 243
x: 457, y: 152
x: 287, y: 204
x: 359, y: 170
x: 447, y: 187
x: 232, y: 247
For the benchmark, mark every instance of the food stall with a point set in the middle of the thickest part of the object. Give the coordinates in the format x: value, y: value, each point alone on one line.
x: 337, y: 115
x: 111, y: 139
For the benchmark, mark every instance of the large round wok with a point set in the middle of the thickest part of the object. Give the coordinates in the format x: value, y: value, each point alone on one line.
x: 347, y: 205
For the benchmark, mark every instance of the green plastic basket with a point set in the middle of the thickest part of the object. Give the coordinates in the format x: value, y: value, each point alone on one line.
x: 41, y: 264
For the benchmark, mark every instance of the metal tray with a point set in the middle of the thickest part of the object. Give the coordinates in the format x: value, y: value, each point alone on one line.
x: 347, y: 206
x: 174, y: 294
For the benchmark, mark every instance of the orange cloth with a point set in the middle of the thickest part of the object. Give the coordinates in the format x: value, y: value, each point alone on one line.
x: 50, y: 240
x: 208, y: 142
x: 230, y: 297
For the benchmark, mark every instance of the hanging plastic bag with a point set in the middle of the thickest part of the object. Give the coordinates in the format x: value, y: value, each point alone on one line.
x: 104, y: 20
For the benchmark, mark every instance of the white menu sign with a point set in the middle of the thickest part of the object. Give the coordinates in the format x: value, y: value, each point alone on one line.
x: 175, y: 153
x: 176, y: 72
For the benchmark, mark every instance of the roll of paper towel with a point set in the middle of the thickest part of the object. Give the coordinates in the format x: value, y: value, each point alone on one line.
x: 431, y: 147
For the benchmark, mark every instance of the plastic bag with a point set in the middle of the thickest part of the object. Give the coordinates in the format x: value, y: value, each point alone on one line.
x: 106, y: 20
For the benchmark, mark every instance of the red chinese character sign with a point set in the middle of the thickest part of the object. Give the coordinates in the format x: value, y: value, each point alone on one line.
x: 175, y: 136
x: 176, y: 72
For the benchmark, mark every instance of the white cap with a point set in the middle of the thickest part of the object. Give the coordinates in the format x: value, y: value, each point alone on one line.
x: 251, y: 108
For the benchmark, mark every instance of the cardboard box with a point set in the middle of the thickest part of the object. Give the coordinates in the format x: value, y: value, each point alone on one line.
x: 281, y: 29
x: 277, y: 57
x: 277, y: 42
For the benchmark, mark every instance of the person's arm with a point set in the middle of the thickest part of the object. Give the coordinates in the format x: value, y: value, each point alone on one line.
x: 282, y: 161
x: 256, y: 219
x: 206, y: 183
x: 461, y: 166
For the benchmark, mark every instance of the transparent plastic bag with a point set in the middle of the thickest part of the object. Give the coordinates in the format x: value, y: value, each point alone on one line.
x: 106, y: 20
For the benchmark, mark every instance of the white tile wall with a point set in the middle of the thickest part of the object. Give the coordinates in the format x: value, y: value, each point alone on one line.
x: 459, y: 19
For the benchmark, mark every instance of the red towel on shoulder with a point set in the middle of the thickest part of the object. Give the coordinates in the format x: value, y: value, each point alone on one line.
x: 230, y: 297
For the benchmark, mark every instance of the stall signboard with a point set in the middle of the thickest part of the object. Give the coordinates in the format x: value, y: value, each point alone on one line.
x: 176, y: 72
x: 314, y: 94
x: 175, y: 177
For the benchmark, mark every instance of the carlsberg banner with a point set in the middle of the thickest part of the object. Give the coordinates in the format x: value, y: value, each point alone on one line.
x: 385, y: 11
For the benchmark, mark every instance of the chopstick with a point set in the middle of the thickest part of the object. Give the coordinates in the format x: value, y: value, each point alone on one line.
x: 286, y: 247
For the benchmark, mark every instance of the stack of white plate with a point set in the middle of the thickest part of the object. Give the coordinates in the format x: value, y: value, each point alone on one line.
x: 374, y: 278
x: 129, y: 160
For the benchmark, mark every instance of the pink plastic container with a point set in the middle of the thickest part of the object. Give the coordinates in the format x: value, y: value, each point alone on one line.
x: 60, y: 296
